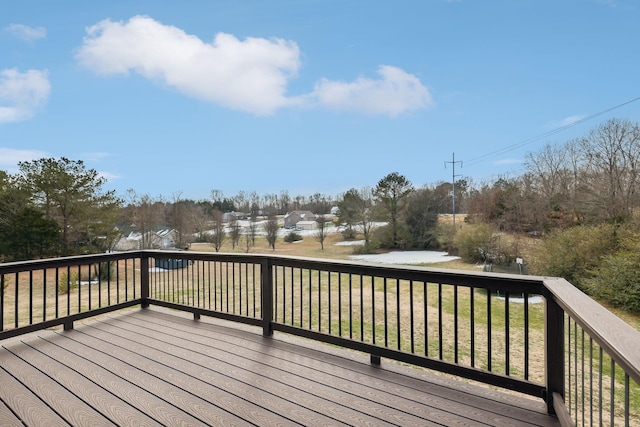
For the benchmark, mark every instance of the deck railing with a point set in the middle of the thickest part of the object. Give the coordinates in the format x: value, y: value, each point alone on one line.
x: 534, y: 335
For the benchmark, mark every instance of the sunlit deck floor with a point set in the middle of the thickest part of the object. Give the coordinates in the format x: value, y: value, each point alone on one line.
x: 155, y: 367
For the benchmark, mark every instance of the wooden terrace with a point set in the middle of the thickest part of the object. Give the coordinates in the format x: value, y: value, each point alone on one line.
x: 260, y: 340
x: 152, y: 367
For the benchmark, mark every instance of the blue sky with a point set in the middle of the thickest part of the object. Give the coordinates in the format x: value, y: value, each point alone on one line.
x: 182, y: 97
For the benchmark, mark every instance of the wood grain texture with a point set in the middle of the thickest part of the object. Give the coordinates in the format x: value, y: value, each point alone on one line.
x: 154, y: 366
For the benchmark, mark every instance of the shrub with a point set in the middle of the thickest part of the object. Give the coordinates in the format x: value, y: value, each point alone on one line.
x: 575, y: 253
x: 445, y: 233
x: 617, y: 280
x: 475, y: 242
x: 384, y: 236
x: 349, y: 233
x: 292, y: 236
x: 365, y: 249
x: 68, y: 281
x: 105, y: 270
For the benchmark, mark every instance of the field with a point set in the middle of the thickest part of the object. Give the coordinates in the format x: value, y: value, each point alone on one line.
x: 310, y: 247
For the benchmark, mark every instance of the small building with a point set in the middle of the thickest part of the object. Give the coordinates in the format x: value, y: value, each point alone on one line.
x: 292, y: 218
x: 306, y: 225
x: 162, y: 239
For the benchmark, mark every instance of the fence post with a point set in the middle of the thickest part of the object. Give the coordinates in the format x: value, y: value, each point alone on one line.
x: 144, y: 280
x: 267, y: 289
x: 554, y: 351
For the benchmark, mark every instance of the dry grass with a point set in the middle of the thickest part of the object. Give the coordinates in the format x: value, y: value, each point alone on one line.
x: 41, y: 295
x: 307, y: 247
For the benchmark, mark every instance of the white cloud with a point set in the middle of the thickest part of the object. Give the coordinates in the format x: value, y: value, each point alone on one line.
x: 26, y: 33
x: 108, y: 176
x: 9, y: 158
x: 94, y: 156
x: 510, y: 161
x: 21, y: 94
x: 249, y: 75
x: 567, y: 121
x: 396, y: 92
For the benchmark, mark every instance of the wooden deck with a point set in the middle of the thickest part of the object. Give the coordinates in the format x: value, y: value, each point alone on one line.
x: 155, y: 367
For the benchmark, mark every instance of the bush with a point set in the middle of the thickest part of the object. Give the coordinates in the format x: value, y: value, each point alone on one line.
x: 445, y: 233
x: 365, y: 249
x: 106, y: 270
x: 575, y: 253
x: 349, y: 233
x: 384, y: 236
x: 68, y: 281
x: 292, y: 236
x: 475, y: 242
x: 617, y: 280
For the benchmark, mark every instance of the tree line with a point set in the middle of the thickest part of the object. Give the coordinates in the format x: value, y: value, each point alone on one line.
x: 54, y: 207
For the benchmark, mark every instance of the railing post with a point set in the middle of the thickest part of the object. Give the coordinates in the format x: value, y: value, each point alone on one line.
x: 554, y: 351
x: 144, y: 280
x: 267, y: 289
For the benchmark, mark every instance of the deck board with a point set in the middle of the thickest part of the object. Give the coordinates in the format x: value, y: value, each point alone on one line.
x: 159, y: 367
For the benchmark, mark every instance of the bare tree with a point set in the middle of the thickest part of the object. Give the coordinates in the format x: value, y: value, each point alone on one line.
x: 321, y: 230
x: 271, y: 230
x: 234, y: 230
x: 612, y: 154
x: 144, y: 213
x: 247, y: 242
x: 199, y: 220
x: 178, y: 219
x: 253, y: 229
x: 356, y: 213
x: 366, y: 214
x: 217, y: 234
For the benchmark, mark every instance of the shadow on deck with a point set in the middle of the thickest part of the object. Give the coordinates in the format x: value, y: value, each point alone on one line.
x: 158, y: 367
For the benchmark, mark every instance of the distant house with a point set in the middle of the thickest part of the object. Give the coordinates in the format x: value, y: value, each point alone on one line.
x: 306, y: 225
x: 168, y: 238
x: 234, y: 216
x: 162, y: 239
x: 291, y: 219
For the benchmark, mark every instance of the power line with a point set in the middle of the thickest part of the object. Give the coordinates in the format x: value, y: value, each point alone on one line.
x: 546, y: 134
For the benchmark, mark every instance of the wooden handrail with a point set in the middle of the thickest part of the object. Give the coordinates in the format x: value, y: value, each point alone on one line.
x: 615, y: 336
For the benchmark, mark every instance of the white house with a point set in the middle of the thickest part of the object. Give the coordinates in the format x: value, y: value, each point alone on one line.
x: 307, y: 225
x: 291, y: 219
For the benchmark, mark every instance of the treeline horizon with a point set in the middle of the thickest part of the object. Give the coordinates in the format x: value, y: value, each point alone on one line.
x: 580, y: 198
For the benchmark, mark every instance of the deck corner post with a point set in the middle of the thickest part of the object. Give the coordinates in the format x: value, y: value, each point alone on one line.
x: 267, y: 289
x: 554, y: 352
x: 144, y: 280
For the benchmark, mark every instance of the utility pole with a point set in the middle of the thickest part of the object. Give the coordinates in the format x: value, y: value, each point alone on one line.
x: 453, y: 183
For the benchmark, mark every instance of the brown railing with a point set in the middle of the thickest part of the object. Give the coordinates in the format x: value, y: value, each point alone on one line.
x: 534, y: 335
